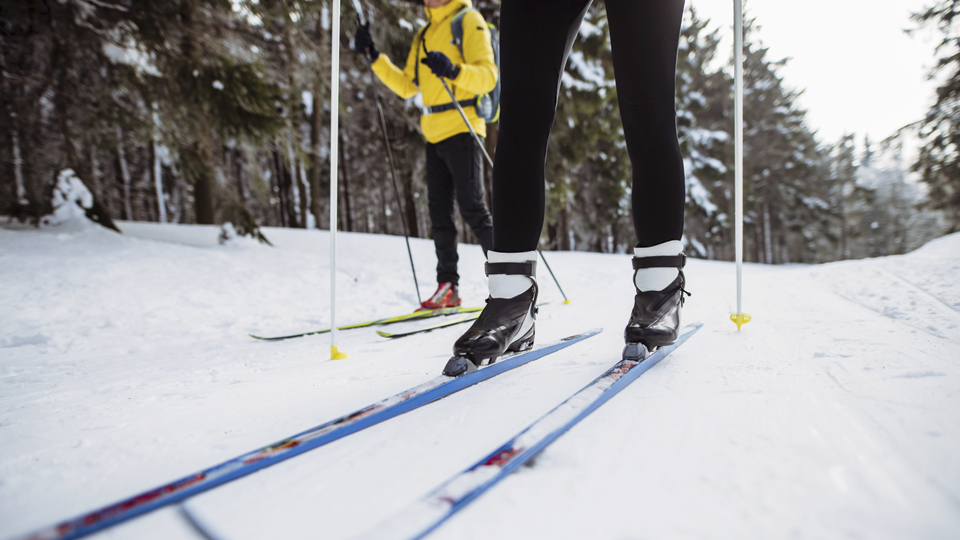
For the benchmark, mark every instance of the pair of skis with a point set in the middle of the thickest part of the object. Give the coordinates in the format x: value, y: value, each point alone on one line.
x: 426, y: 514
x: 420, y: 518
x: 467, y: 314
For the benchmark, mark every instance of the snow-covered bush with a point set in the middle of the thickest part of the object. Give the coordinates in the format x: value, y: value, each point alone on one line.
x: 74, y: 204
x: 235, y: 235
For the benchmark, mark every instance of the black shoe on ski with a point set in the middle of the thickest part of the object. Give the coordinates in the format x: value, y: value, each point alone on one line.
x: 505, y: 325
x: 655, y: 319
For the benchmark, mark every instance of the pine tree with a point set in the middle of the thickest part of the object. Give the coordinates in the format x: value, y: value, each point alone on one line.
x: 788, y: 215
x: 703, y: 124
x: 210, y: 85
x: 939, y: 159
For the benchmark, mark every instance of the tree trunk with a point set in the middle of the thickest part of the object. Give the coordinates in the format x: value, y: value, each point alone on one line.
x: 345, y: 181
x: 125, y: 174
x: 614, y: 238
x: 303, y: 187
x: 758, y: 244
x: 384, y: 211
x: 411, y: 206
x: 288, y: 205
x: 278, y: 175
x: 60, y: 109
x: 18, y: 169
x: 204, y: 191
x: 553, y: 240
x: 95, y: 184
x: 844, y: 250
x: 158, y: 175
x: 236, y: 171
x: 316, y: 204
x: 205, y: 184
x: 767, y: 247
x: 303, y: 193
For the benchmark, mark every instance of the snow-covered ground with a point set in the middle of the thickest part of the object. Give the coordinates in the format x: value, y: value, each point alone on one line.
x: 125, y: 363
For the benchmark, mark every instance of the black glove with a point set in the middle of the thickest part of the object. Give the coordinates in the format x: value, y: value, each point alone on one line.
x: 363, y: 42
x: 440, y: 65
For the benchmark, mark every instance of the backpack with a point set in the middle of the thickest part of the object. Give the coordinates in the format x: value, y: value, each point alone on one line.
x: 487, y: 105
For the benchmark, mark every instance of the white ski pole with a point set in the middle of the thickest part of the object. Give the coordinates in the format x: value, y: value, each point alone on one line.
x: 334, y: 132
x: 740, y: 318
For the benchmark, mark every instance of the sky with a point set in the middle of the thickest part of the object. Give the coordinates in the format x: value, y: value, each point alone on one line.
x: 859, y: 71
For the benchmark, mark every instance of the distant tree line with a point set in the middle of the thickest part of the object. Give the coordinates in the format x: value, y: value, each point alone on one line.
x: 214, y: 111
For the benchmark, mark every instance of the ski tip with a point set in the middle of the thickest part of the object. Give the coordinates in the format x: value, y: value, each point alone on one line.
x: 336, y: 354
x: 264, y: 338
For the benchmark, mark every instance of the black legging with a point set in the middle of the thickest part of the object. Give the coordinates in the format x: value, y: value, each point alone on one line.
x: 536, y: 37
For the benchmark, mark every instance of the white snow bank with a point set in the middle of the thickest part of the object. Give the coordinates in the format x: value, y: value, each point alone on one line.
x: 124, y: 363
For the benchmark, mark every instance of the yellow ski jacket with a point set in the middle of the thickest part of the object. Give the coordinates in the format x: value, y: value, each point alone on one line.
x: 478, y: 72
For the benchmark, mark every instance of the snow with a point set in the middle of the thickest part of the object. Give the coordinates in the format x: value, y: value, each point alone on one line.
x: 124, y: 364
x: 70, y: 198
x: 130, y: 55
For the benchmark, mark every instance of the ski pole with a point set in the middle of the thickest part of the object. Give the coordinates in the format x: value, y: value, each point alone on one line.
x: 334, y: 129
x: 565, y: 299
x: 386, y: 144
x: 739, y: 318
x: 476, y: 139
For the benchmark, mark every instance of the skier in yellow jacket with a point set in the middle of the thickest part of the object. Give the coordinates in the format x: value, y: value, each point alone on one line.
x: 454, y: 165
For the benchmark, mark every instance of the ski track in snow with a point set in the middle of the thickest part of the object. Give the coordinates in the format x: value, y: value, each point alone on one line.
x: 125, y: 363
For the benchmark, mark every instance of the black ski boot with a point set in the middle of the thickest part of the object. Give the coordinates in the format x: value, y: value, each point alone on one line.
x: 506, y: 324
x: 655, y: 320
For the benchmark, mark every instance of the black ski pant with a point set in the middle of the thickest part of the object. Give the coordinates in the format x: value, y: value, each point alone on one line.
x: 455, y: 171
x: 535, y: 41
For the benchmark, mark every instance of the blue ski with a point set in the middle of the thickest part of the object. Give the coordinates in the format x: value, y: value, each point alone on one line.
x: 183, y: 488
x: 423, y: 516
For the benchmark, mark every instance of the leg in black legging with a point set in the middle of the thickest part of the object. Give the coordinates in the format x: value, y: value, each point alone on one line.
x: 440, y: 196
x: 535, y: 39
x: 536, y: 36
x: 644, y: 36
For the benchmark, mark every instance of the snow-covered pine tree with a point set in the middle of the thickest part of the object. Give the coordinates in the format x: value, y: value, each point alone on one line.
x: 843, y: 171
x: 787, y: 213
x: 898, y: 217
x: 56, y: 86
x: 209, y: 84
x: 939, y: 159
x: 703, y: 124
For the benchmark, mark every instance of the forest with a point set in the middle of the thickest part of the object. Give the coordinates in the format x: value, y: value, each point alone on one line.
x: 218, y: 111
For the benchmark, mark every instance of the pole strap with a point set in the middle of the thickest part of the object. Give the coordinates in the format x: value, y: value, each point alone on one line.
x: 676, y: 261
x: 528, y: 269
